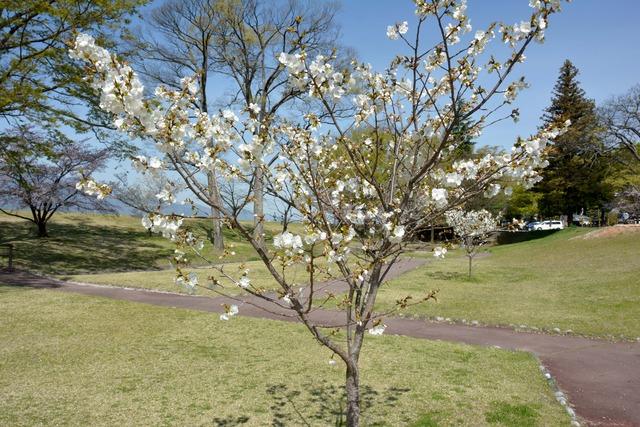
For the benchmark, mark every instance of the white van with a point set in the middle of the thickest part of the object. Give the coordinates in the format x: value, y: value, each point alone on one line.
x: 549, y: 225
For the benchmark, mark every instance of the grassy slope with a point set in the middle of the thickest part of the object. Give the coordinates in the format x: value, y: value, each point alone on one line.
x: 75, y: 360
x: 86, y: 243
x: 587, y: 286
x: 564, y: 281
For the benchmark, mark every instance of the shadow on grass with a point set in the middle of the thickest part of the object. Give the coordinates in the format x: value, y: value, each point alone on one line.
x: 509, y: 237
x: 448, y: 275
x: 325, y: 404
x: 230, y: 421
x: 84, y: 247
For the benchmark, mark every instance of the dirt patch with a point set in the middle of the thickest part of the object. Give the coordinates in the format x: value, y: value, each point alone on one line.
x: 613, y: 231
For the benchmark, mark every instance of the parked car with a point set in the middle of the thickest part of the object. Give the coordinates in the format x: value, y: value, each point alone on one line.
x: 581, y: 220
x: 532, y: 225
x: 549, y: 225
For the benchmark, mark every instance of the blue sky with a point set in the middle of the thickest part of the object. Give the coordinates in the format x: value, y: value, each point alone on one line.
x: 599, y: 36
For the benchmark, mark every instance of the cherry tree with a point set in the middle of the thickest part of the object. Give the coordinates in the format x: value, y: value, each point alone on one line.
x: 39, y: 172
x: 358, y: 209
x: 472, y: 229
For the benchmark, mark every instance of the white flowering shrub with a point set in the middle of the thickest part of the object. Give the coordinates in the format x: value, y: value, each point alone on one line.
x: 360, y: 200
x: 472, y: 228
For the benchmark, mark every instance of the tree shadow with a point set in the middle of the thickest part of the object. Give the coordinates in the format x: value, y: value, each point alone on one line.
x: 447, y: 275
x: 510, y: 237
x: 83, y: 247
x: 230, y: 421
x: 229, y: 234
x: 324, y: 403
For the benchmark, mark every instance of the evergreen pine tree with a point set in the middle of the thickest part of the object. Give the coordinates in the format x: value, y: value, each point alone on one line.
x: 575, y: 177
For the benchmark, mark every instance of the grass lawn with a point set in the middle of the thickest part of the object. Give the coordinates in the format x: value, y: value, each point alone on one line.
x: 164, y: 280
x: 75, y: 360
x: 589, y: 286
x: 562, y: 281
x: 90, y: 243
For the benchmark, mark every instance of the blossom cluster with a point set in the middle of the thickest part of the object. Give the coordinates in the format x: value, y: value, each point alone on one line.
x: 92, y: 188
x: 167, y: 225
x: 471, y: 223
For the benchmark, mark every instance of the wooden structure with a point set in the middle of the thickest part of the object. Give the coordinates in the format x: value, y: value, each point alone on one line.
x: 6, y: 251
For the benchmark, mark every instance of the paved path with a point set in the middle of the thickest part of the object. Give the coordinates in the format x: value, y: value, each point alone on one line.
x: 601, y: 378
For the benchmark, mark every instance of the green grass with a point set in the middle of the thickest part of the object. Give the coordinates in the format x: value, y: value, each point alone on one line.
x: 164, y: 280
x: 588, y: 286
x: 562, y: 281
x: 90, y: 243
x: 75, y: 360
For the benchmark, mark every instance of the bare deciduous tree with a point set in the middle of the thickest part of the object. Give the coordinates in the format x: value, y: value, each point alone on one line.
x: 620, y: 117
x: 183, y: 45
x: 241, y: 40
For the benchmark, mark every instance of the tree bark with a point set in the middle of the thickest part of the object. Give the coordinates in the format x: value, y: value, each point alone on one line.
x: 216, y: 221
x: 470, y: 262
x: 258, y: 207
x: 42, y: 229
x: 353, y: 395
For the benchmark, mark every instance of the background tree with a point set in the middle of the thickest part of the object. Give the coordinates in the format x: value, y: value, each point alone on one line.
x: 472, y: 228
x: 251, y: 36
x: 523, y: 204
x: 240, y: 41
x: 576, y: 176
x: 40, y: 173
x: 627, y: 201
x: 142, y: 193
x: 620, y: 117
x: 179, y: 42
x: 37, y: 77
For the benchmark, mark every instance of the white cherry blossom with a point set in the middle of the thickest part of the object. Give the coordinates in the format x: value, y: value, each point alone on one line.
x: 377, y: 330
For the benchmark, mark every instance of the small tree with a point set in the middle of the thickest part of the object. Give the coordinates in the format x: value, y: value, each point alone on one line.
x: 360, y: 210
x: 40, y: 173
x: 472, y: 229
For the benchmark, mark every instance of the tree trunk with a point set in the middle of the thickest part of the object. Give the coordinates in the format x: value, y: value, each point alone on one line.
x: 258, y: 207
x: 353, y: 395
x: 216, y: 221
x: 42, y: 229
x: 470, y: 262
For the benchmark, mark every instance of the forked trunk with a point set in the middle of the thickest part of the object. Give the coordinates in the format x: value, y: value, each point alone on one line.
x: 42, y: 229
x: 353, y: 395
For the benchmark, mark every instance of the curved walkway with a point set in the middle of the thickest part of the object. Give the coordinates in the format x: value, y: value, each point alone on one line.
x: 601, y: 378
